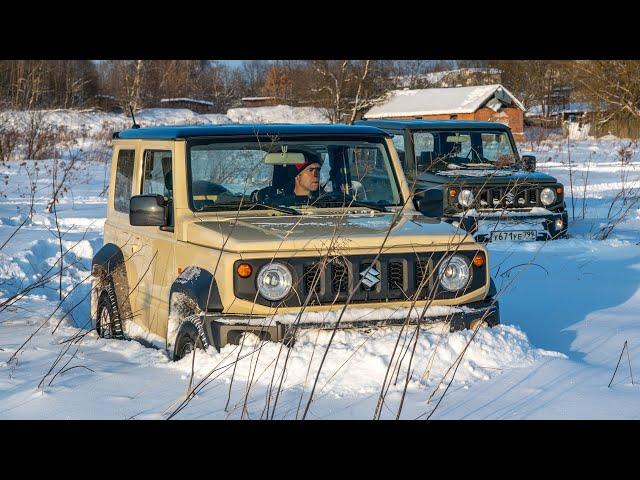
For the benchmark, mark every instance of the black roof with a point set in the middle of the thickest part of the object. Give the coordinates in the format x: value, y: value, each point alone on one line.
x: 432, y: 124
x: 280, y: 129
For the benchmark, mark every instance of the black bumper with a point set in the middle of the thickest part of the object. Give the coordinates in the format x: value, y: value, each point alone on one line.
x: 224, y: 329
x: 546, y: 225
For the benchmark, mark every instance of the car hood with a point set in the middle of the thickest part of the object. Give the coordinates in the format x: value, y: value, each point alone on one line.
x: 492, y: 176
x: 311, y: 232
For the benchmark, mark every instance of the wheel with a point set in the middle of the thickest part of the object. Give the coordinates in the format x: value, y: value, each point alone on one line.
x: 109, y: 323
x: 189, y: 338
x: 478, y: 323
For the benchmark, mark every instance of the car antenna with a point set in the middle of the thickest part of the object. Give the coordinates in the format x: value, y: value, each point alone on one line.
x: 135, y: 125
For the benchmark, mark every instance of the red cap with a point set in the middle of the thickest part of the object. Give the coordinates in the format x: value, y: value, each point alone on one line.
x: 302, y: 166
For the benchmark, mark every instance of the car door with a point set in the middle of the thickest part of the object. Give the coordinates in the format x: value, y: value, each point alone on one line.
x: 117, y: 229
x: 155, y: 246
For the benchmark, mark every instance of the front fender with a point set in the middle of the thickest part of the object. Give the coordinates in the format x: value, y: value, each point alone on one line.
x: 194, y: 292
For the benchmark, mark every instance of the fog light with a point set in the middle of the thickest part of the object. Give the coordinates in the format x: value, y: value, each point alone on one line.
x: 559, y: 224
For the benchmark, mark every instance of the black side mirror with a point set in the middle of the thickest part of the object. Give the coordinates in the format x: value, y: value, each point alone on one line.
x: 148, y: 211
x: 529, y: 163
x: 430, y: 202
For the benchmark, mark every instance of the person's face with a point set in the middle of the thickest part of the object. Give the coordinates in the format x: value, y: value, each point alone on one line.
x: 308, y: 180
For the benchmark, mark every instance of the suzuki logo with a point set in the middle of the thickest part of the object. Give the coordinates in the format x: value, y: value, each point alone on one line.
x: 370, y: 277
x: 510, y: 197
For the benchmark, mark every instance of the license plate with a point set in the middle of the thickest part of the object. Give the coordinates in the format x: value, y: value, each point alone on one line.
x: 513, y: 236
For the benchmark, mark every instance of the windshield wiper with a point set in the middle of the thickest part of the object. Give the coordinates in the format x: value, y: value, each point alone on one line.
x: 279, y: 208
x: 461, y: 165
x: 348, y: 203
x: 250, y: 206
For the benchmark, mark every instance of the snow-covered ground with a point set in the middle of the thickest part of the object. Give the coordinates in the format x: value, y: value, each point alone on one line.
x: 567, y: 308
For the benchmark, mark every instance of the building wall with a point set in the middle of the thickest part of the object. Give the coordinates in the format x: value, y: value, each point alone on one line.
x: 193, y: 106
x: 262, y: 102
x: 513, y: 117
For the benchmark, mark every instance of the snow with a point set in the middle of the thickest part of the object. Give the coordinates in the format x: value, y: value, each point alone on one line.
x: 444, y: 77
x: 436, y: 101
x: 278, y: 114
x: 475, y: 172
x: 567, y: 308
x: 91, y: 123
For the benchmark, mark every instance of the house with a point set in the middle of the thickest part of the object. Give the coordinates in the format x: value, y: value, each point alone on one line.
x: 492, y: 103
x: 195, y: 105
x: 260, y: 101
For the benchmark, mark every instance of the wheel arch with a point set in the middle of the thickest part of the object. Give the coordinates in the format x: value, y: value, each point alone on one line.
x: 193, y: 293
x: 109, y: 264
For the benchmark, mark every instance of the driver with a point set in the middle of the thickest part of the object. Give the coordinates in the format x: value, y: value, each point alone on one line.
x: 306, y: 183
x: 301, y: 183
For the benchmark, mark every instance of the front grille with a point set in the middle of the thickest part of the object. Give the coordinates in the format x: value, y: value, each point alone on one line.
x: 399, y: 279
x: 511, y: 197
x: 311, y: 275
x: 396, y: 276
x: 421, y: 271
x: 339, y: 276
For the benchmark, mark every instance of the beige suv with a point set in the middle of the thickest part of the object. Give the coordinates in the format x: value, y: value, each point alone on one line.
x: 213, y: 231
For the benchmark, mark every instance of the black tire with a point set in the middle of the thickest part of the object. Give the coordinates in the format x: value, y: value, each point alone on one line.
x: 109, y: 321
x: 189, y: 338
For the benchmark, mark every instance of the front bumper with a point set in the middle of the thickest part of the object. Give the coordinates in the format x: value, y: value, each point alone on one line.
x: 544, y: 225
x: 224, y: 329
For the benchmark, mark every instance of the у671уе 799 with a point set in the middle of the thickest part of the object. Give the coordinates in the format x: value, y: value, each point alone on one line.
x: 213, y: 231
x: 486, y: 183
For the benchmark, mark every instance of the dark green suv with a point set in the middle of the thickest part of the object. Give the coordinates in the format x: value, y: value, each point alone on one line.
x: 488, y: 187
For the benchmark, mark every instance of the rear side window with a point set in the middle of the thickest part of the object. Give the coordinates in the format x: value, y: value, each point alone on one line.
x: 124, y: 180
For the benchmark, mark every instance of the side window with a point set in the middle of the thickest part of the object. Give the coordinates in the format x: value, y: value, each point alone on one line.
x: 157, y: 177
x: 124, y: 180
x: 424, y: 145
x: 398, y: 143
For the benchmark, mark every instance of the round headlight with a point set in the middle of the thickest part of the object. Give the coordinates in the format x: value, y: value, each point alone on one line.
x: 454, y: 273
x: 547, y: 196
x: 274, y: 281
x: 465, y: 198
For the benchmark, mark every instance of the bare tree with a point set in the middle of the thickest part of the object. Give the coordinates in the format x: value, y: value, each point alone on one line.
x: 346, y: 87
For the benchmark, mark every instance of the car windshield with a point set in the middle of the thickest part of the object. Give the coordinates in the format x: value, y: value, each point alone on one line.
x: 286, y: 175
x: 439, y: 150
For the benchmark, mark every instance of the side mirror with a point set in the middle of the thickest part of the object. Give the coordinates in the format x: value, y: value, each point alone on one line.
x: 430, y: 202
x: 148, y: 211
x: 529, y: 163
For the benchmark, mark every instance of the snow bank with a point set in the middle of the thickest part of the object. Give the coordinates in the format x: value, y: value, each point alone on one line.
x: 357, y: 360
x: 278, y: 114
